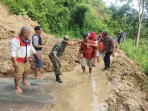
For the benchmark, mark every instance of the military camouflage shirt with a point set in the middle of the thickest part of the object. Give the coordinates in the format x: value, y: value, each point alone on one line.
x: 58, y: 48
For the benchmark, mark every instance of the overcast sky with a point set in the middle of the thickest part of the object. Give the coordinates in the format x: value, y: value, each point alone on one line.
x: 109, y: 2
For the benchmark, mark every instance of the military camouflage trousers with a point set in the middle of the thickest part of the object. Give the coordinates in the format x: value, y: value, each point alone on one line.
x: 56, y: 64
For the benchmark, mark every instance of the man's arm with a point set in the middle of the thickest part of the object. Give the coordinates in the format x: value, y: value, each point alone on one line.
x: 34, y: 52
x: 93, y: 45
x: 36, y: 42
x: 14, y: 46
x: 88, y: 44
x: 73, y: 43
x: 79, y: 53
x: 113, y: 47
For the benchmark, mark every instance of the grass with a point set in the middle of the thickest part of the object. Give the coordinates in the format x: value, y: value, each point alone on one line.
x: 139, y: 53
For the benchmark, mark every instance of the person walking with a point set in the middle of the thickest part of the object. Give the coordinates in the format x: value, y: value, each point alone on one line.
x: 87, y: 48
x: 108, y: 49
x: 120, y: 36
x: 37, y: 44
x: 21, y: 49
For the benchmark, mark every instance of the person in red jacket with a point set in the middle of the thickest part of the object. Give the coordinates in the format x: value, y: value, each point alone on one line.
x: 21, y: 49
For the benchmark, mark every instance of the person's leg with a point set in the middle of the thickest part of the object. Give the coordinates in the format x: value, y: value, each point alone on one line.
x: 17, y: 77
x: 108, y: 59
x: 89, y: 63
x: 83, y: 64
x: 38, y: 63
x: 84, y: 69
x: 90, y: 70
x: 17, y: 88
x: 105, y: 61
x: 37, y: 73
x: 26, y: 72
x: 98, y: 59
x: 95, y: 55
x: 98, y: 56
x: 56, y: 66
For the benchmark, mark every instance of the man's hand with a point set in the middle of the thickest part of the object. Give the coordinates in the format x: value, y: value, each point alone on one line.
x: 39, y: 56
x: 59, y: 59
x: 87, y: 45
x: 14, y: 61
x: 43, y: 46
x: 15, y: 65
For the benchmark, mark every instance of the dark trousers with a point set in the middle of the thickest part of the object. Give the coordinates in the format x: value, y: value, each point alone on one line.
x: 107, y: 59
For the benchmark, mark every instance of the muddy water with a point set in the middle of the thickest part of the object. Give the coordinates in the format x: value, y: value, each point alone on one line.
x: 82, y: 92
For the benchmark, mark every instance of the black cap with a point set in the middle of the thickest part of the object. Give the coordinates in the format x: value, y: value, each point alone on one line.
x: 85, y: 35
x: 105, y: 34
x: 37, y: 28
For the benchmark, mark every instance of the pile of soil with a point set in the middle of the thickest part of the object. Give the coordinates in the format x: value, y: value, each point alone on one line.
x: 129, y: 85
x: 10, y: 26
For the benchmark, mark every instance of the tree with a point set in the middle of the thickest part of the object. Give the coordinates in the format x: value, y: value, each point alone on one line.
x: 142, y: 6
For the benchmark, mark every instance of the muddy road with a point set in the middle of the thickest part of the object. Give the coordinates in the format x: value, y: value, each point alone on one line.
x: 79, y: 92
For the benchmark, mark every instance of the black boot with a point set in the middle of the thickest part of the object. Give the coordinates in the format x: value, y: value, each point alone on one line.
x: 58, y: 79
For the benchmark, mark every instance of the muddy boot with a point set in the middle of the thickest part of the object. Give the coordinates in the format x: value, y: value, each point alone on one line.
x: 58, y: 79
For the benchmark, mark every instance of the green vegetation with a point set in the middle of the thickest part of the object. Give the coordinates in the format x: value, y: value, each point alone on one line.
x: 73, y: 17
x: 60, y: 17
x: 139, y: 54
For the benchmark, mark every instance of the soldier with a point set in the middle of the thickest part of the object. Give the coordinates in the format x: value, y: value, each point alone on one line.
x: 56, y: 52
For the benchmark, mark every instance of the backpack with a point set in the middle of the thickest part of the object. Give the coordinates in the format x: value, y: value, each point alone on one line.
x: 101, y: 47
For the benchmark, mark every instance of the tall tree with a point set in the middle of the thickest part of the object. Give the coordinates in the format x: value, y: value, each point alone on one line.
x: 142, y: 6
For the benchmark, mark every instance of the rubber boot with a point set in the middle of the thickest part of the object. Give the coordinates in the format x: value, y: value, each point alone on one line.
x: 58, y: 79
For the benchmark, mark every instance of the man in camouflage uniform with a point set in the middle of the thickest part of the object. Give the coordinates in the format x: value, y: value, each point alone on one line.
x: 54, y: 55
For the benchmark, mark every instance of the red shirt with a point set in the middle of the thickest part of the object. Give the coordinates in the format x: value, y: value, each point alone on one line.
x: 88, y: 53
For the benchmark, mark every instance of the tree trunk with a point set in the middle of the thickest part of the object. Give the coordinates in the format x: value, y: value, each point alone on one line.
x: 138, y: 34
x: 141, y: 12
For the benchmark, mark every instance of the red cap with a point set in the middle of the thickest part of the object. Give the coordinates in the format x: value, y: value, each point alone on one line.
x: 93, y: 35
